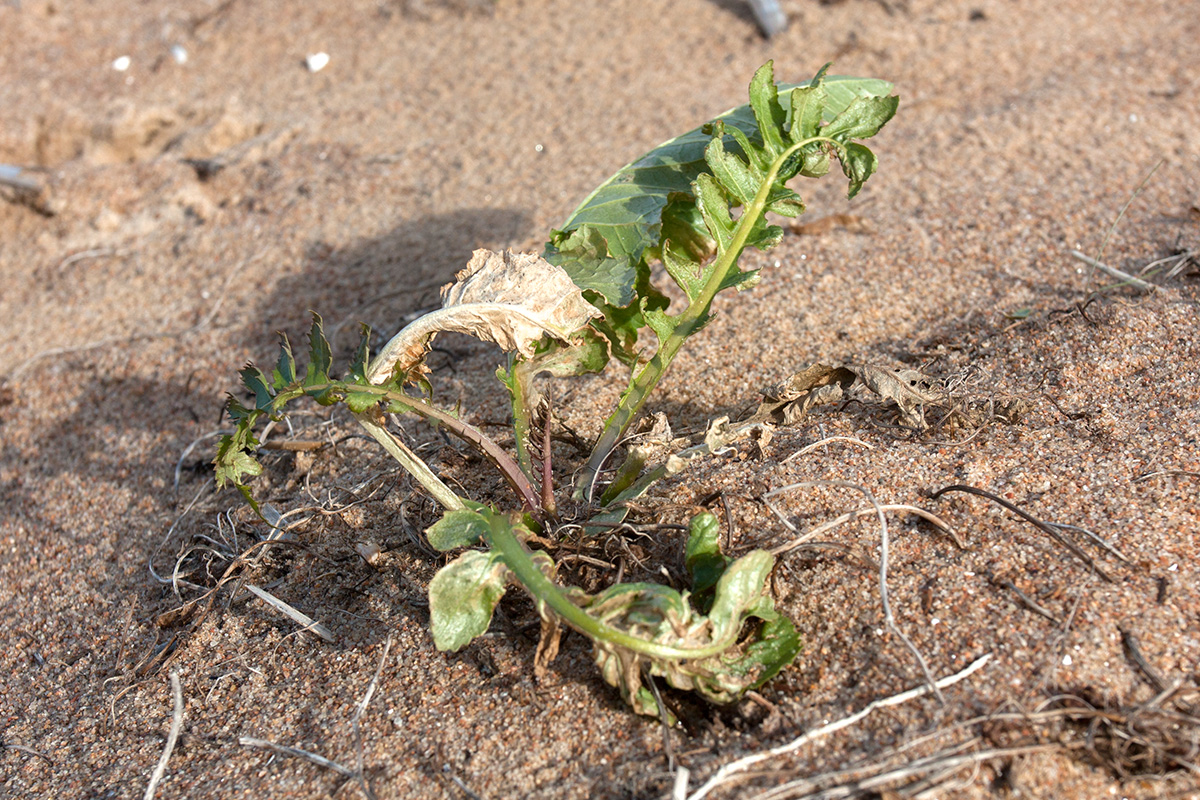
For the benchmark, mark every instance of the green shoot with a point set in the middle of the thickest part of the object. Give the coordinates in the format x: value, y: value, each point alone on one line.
x: 591, y: 299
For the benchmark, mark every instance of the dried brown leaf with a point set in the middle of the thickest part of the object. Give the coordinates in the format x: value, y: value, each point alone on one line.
x: 903, y: 388
x: 789, y: 402
x: 512, y: 299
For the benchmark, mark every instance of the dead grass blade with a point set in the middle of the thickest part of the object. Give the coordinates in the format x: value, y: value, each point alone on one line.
x: 888, y: 618
x: 1048, y: 528
x: 733, y: 769
x: 20, y: 748
x: 306, y: 622
x: 296, y: 752
x: 172, y: 736
x: 361, y: 709
x: 812, y: 533
x: 1113, y: 272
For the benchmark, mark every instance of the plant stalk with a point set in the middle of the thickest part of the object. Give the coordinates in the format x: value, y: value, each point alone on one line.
x: 468, y: 433
x: 413, y: 464
x: 641, y: 387
x: 513, y: 380
x: 517, y: 557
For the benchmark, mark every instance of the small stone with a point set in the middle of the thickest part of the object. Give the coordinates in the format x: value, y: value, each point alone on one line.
x: 316, y: 61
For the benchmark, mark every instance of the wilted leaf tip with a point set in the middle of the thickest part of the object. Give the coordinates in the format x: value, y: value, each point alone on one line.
x: 511, y: 299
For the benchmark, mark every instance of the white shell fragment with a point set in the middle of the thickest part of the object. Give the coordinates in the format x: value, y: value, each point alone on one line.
x: 179, y: 53
x: 122, y: 63
x: 316, y: 61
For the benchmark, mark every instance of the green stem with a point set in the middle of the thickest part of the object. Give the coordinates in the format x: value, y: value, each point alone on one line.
x: 515, y: 382
x: 468, y: 433
x: 519, y: 560
x: 686, y: 324
x: 511, y: 471
x: 413, y: 464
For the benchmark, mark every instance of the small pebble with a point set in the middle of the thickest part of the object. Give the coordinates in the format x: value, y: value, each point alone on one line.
x: 316, y: 61
x: 179, y: 53
x: 121, y: 64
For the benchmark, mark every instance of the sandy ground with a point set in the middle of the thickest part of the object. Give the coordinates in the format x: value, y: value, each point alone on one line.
x: 198, y: 207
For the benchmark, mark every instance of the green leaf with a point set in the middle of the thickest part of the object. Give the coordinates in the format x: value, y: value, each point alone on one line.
x: 690, y: 276
x: 462, y: 597
x: 661, y: 323
x: 362, y: 357
x: 584, y: 254
x: 807, y: 109
x: 703, y: 557
x: 711, y: 201
x: 740, y: 587
x: 862, y: 118
x: 461, y: 528
x: 733, y: 173
x: 662, y: 615
x: 683, y: 226
x: 764, y: 101
x: 815, y: 162
x: 285, y: 368
x: 627, y: 208
x: 320, y: 358
x: 586, y: 353
x: 358, y: 402
x: 764, y: 236
x: 255, y: 380
x: 620, y: 327
x: 785, y: 203
x: 859, y: 163
x: 775, y: 646
x: 233, y: 461
x: 741, y: 280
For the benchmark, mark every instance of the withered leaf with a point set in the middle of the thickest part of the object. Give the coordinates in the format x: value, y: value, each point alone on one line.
x: 789, y: 402
x: 512, y: 299
x: 903, y: 388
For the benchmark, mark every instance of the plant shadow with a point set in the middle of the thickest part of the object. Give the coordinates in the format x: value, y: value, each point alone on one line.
x: 384, y: 280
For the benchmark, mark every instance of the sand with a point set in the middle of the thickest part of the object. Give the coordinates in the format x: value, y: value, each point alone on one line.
x: 193, y: 209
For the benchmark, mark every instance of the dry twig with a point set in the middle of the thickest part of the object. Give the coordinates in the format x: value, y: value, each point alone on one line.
x: 741, y: 765
x: 296, y: 752
x: 172, y: 736
x: 1048, y: 528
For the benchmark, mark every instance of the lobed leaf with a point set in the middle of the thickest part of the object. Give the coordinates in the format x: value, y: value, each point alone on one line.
x: 284, y: 373
x: 862, y: 119
x: 256, y: 381
x: 714, y: 206
x: 768, y: 112
x: 320, y: 357
x: 362, y: 356
x: 858, y: 163
x: 629, y: 209
x: 806, y: 111
x: 583, y: 253
x: 233, y: 461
